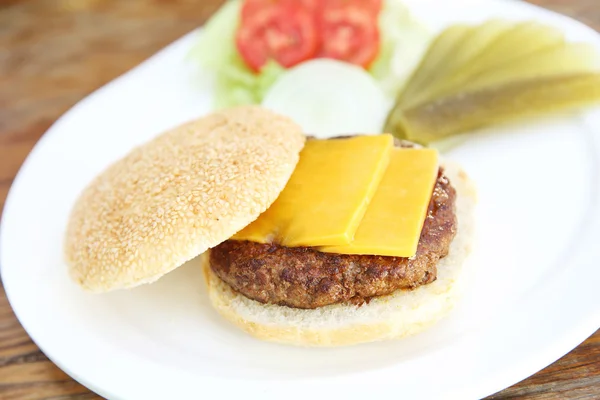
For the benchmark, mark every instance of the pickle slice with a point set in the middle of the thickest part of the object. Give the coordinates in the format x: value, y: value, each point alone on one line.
x: 565, y: 59
x: 474, y: 43
x: 465, y: 111
x: 522, y: 40
x: 476, y: 76
x: 443, y: 45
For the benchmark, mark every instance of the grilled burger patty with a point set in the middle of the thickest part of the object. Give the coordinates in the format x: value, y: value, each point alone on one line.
x: 303, y: 277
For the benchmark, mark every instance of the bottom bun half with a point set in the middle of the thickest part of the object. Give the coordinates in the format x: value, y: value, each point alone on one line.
x: 400, y: 314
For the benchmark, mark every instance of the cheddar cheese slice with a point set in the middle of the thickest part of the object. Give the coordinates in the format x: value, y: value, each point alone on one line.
x: 327, y: 195
x: 394, y: 219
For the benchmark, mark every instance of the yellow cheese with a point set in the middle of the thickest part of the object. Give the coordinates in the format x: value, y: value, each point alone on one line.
x: 327, y: 195
x: 394, y: 219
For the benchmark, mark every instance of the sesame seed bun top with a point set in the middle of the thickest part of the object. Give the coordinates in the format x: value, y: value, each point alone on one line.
x: 178, y: 195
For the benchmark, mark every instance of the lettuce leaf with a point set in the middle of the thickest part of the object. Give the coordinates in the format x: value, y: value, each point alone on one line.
x: 404, y: 41
x: 216, y: 53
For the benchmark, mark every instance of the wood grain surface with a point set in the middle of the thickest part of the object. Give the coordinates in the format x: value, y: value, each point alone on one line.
x: 55, y: 52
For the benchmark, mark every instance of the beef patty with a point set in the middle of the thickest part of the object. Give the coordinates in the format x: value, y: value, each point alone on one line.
x: 303, y: 277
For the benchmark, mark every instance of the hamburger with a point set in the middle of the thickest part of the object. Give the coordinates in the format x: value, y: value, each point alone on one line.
x: 209, y: 189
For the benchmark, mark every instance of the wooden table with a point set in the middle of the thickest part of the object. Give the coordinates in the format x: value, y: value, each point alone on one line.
x: 55, y: 52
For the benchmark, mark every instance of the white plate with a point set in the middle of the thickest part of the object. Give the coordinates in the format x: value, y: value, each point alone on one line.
x: 533, y: 295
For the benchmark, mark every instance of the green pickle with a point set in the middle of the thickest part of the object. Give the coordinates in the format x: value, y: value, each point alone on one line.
x: 472, y: 46
x: 445, y: 44
x: 519, y: 41
x: 476, y: 76
x: 523, y: 39
x: 461, y: 112
x: 562, y: 59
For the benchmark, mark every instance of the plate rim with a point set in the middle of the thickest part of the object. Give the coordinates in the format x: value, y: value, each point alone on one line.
x: 576, y: 336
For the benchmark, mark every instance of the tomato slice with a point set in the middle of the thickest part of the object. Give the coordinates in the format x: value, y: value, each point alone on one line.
x: 311, y: 5
x: 373, y: 7
x: 281, y: 30
x: 349, y: 31
x: 251, y: 7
